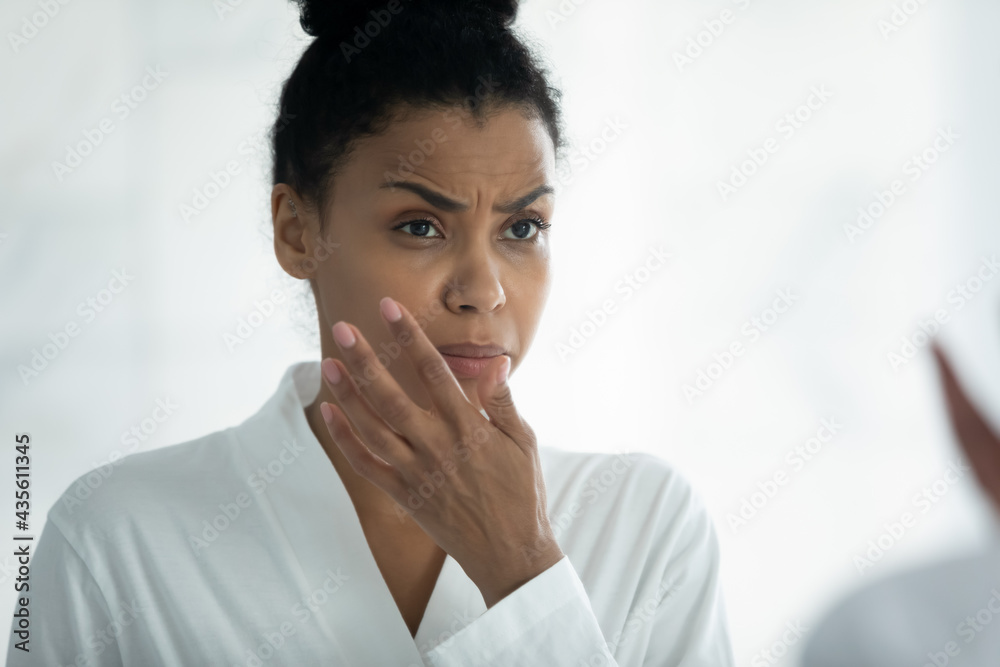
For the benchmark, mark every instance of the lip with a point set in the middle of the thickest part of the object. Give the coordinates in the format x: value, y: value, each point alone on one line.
x: 467, y: 367
x: 472, y: 350
x: 469, y: 360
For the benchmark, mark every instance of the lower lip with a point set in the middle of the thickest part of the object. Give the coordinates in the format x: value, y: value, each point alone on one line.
x: 467, y: 367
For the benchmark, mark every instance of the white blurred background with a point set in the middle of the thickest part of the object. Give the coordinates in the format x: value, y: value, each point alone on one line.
x: 681, y: 128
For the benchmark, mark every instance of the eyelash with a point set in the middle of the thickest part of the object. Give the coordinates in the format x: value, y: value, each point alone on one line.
x: 535, y: 219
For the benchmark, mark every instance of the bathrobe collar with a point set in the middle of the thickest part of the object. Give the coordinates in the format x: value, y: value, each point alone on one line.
x: 325, y: 537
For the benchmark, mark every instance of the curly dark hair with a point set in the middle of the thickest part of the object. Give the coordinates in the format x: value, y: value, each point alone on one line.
x: 375, y: 62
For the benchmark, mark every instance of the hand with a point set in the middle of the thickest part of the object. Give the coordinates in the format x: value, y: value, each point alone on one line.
x: 980, y: 443
x: 481, y: 494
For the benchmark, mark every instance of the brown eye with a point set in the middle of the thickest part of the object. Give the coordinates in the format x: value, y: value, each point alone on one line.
x: 421, y: 228
x: 528, y: 229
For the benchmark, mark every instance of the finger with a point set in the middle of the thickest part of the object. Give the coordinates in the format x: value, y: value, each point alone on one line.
x: 980, y: 443
x: 496, y: 398
x: 375, y: 433
x: 362, y: 461
x: 442, y: 386
x: 379, y: 388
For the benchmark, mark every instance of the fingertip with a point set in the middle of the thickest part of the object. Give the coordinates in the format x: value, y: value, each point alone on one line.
x: 331, y: 372
x: 503, y: 371
x: 942, y: 361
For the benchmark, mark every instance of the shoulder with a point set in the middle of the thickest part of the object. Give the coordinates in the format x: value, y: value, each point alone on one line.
x: 638, y: 533
x: 146, y: 486
x: 641, y: 476
x: 637, y: 491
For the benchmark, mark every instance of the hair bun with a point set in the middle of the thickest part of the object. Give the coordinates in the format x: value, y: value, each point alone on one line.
x: 506, y: 9
x: 318, y: 16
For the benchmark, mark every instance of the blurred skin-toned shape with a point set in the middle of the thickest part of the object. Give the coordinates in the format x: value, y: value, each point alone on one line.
x: 979, y: 441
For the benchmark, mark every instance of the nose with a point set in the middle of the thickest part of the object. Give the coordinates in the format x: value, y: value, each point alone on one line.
x: 475, y: 284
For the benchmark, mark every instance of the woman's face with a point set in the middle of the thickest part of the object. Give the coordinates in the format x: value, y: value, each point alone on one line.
x: 455, y: 244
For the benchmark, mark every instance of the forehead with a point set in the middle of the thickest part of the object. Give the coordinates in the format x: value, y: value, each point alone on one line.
x: 506, y: 148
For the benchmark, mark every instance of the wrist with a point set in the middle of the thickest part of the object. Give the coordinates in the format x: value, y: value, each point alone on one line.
x: 499, y: 582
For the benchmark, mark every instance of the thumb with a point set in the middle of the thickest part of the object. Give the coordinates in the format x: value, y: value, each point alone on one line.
x: 496, y: 398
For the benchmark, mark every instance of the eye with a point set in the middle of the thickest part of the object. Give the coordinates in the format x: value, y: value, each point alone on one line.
x: 422, y: 228
x: 525, y: 225
x: 424, y: 225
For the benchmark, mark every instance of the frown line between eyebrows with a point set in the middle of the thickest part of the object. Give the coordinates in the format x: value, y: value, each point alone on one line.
x: 444, y: 203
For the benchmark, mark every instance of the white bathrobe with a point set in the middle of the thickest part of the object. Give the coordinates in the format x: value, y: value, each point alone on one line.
x: 243, y: 547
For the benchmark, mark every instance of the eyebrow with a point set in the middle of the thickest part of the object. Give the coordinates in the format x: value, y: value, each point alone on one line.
x: 444, y: 203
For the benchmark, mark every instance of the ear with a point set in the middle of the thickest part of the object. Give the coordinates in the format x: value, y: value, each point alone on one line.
x: 979, y: 442
x: 291, y: 243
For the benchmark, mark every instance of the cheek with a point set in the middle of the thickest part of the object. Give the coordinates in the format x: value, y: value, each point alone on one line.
x: 527, y: 293
x: 530, y: 281
x: 352, y: 283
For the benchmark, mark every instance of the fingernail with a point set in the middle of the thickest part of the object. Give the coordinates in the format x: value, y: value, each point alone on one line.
x: 390, y: 310
x: 343, y: 334
x: 330, y: 371
x: 327, y: 412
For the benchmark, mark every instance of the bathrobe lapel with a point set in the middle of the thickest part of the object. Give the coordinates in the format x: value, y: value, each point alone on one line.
x: 338, y: 580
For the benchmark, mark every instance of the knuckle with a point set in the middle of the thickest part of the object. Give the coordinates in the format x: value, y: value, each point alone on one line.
x: 471, y: 428
x: 504, y: 400
x: 379, y: 442
x: 397, y: 409
x: 346, y: 396
x: 435, y: 370
x: 362, y: 466
x: 504, y: 408
x: 345, y: 390
x: 371, y: 368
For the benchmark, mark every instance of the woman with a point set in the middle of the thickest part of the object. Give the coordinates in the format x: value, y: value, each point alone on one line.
x: 397, y: 511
